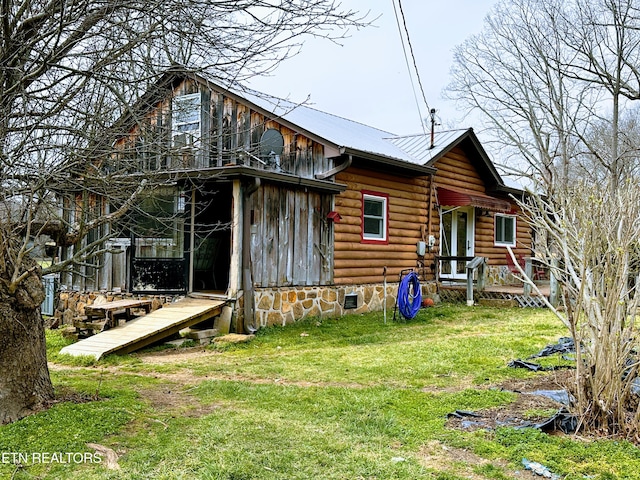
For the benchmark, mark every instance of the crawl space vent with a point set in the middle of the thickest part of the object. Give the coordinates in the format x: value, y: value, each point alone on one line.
x: 350, y: 301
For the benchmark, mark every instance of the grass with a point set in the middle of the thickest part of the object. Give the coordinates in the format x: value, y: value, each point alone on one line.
x: 348, y: 398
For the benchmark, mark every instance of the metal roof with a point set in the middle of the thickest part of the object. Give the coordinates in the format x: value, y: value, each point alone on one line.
x: 350, y: 135
x: 415, y: 153
x: 339, y: 131
x: 419, y: 146
x: 417, y: 149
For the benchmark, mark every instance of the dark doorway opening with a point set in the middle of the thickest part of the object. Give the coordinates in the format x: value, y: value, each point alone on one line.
x: 212, y: 237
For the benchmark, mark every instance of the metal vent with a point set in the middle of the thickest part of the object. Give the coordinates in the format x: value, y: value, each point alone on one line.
x: 350, y: 301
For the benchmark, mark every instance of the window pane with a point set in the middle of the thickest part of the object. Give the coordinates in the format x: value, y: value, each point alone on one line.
x: 373, y: 227
x: 188, y: 127
x: 508, y: 230
x: 158, y: 226
x: 505, y: 230
x: 374, y: 217
x: 186, y: 109
x: 373, y: 207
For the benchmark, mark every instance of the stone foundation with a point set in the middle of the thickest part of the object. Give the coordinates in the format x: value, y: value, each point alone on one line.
x: 285, y: 305
x: 501, y: 275
x: 71, y: 304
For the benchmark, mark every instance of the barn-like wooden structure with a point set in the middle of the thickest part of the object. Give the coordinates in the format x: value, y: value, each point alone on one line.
x: 287, y: 211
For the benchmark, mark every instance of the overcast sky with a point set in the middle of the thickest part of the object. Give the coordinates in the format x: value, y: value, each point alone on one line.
x: 366, y: 78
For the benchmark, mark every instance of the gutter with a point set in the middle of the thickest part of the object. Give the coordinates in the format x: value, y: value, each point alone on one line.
x: 401, y: 167
x: 230, y: 172
x: 335, y: 170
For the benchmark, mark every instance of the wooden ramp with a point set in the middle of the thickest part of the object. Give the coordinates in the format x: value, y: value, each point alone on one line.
x: 143, y: 331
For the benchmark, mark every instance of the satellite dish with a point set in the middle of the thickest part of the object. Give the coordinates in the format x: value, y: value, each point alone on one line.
x: 271, y: 143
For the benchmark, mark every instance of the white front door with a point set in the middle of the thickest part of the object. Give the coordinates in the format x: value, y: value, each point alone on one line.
x: 456, y: 240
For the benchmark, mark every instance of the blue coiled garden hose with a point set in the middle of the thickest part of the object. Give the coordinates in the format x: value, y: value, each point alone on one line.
x: 409, y: 295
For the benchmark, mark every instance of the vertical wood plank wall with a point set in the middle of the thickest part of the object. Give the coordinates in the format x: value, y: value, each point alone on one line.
x: 291, y: 238
x: 356, y: 262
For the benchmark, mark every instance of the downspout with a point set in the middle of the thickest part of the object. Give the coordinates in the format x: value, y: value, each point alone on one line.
x: 334, y: 170
x: 431, y: 193
x: 249, y: 323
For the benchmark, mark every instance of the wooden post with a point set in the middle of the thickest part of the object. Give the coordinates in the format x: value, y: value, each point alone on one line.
x: 528, y: 271
x: 235, y: 270
x: 192, y: 239
x: 469, y: 286
x: 247, y: 282
x: 554, y: 295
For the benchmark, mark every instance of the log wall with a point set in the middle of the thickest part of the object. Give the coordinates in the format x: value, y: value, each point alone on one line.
x: 361, y: 263
x: 410, y: 220
x: 456, y: 170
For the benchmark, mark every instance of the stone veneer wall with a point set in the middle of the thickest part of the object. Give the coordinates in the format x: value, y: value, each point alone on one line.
x: 285, y: 305
x: 70, y: 304
x: 501, y: 275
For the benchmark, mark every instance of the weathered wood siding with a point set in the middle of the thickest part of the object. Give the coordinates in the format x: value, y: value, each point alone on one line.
x: 357, y: 262
x: 230, y: 135
x: 235, y: 135
x: 291, y: 238
x: 456, y: 170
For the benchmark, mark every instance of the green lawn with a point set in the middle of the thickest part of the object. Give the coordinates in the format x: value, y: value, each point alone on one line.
x: 348, y: 398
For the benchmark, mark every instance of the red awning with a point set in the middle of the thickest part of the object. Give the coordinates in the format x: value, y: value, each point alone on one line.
x: 457, y: 198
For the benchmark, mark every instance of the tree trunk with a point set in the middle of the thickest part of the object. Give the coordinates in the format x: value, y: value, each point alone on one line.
x: 25, y: 385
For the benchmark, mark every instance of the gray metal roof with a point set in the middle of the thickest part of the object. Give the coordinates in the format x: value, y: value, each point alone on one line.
x: 339, y: 131
x: 414, y: 151
x: 419, y: 146
x: 348, y: 134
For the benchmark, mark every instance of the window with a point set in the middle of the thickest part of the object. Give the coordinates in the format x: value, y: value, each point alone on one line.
x: 505, y: 230
x: 186, y: 120
x: 158, y: 224
x: 374, y: 217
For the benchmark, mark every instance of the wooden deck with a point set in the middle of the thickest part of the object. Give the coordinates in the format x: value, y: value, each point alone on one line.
x: 507, y: 289
x: 146, y: 330
x: 456, y: 292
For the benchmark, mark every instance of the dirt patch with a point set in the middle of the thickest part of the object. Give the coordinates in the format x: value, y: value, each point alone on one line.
x: 555, y: 380
x: 175, y: 356
x: 174, y: 400
x: 531, y: 407
x: 63, y: 395
x: 439, y: 457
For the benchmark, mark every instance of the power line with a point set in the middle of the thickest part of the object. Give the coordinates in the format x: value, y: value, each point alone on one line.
x: 413, y: 58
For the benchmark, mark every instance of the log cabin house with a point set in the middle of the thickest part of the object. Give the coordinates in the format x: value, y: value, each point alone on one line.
x: 288, y: 212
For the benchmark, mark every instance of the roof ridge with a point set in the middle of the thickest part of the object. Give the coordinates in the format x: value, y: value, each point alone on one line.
x: 413, y: 135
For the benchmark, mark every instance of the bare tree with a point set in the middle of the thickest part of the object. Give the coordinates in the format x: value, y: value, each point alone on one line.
x: 68, y: 71
x: 600, y: 138
x: 556, y: 81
